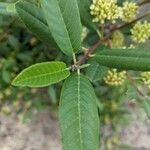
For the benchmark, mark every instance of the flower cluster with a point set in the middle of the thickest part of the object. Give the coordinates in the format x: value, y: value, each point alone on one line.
x: 117, y: 39
x: 141, y: 32
x: 103, y: 10
x: 129, y: 11
x: 115, y: 78
x: 146, y: 78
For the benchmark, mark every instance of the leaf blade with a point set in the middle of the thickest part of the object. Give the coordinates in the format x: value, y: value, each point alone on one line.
x: 125, y: 59
x: 33, y: 18
x: 42, y: 74
x: 64, y: 23
x: 78, y: 114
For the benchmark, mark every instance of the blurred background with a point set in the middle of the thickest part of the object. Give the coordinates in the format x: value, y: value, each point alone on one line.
x: 28, y: 117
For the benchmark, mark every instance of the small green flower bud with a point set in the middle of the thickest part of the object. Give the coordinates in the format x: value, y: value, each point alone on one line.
x: 141, y: 32
x: 129, y: 11
x: 103, y: 10
x: 115, y: 78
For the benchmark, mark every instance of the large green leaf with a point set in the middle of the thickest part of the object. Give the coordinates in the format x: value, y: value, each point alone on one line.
x: 42, y: 74
x: 127, y: 59
x: 78, y: 115
x: 7, y: 9
x: 34, y: 19
x: 84, y: 7
x: 64, y: 23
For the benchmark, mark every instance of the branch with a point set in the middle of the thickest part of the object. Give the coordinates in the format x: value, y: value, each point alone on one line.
x: 113, y: 29
x: 88, y: 53
x: 130, y: 23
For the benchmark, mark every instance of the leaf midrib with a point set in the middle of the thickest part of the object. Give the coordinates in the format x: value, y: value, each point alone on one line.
x: 62, y: 18
x: 61, y: 13
x: 79, y: 111
x: 42, y: 75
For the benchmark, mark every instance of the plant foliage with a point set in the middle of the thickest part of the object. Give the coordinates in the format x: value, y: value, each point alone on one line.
x: 42, y: 74
x: 78, y: 101
x: 64, y: 23
x: 59, y: 25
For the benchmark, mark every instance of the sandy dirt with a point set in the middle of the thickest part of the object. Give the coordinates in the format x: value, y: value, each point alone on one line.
x: 42, y: 133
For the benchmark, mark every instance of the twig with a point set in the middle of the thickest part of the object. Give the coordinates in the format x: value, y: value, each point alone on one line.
x: 128, y: 24
x: 93, y: 48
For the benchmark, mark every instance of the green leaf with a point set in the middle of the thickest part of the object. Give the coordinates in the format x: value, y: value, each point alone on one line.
x: 84, y: 7
x: 33, y: 18
x: 42, y: 74
x: 125, y: 59
x: 7, y: 9
x: 78, y: 115
x: 64, y: 23
x: 95, y: 71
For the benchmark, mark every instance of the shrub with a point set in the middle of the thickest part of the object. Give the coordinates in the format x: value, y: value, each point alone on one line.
x: 99, y: 50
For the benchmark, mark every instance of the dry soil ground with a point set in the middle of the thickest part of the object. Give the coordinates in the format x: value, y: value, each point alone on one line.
x: 42, y: 133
